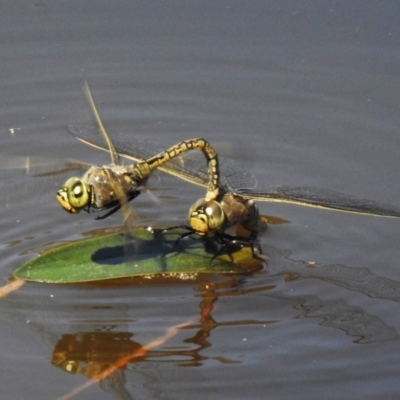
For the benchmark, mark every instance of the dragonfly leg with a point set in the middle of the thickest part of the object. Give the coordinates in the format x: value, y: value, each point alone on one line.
x: 251, y: 241
x: 158, y: 235
x: 158, y: 232
x: 111, y: 212
x: 223, y: 240
x: 181, y: 236
x: 223, y: 244
x: 216, y: 239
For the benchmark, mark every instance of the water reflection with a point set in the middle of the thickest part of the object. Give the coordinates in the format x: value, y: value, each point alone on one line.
x: 93, y: 353
x: 103, y: 345
x: 102, y: 351
x: 101, y: 342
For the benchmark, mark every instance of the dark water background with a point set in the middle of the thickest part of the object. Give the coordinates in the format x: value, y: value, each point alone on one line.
x: 301, y: 93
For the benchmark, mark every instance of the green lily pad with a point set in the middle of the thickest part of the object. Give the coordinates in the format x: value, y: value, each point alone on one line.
x: 112, y: 256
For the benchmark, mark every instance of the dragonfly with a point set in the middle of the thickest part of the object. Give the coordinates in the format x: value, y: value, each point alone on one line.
x: 113, y: 185
x: 211, y: 217
x: 235, y: 199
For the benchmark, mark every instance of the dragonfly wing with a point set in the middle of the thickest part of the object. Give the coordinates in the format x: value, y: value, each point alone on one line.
x: 323, y: 198
x: 90, y: 136
x: 37, y: 166
x: 113, y: 153
x: 190, y: 167
x: 235, y: 177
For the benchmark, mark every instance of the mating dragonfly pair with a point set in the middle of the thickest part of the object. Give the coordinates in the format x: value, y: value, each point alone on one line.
x: 230, y: 196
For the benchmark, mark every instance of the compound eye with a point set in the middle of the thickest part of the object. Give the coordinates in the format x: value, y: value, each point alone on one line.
x: 199, y: 205
x: 215, y: 215
x: 73, y: 196
x: 206, y: 217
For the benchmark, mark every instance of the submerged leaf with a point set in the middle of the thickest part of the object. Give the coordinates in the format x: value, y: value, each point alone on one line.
x: 113, y: 256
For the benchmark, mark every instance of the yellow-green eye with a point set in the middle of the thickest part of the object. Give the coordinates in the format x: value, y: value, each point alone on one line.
x: 206, y: 217
x: 73, y: 196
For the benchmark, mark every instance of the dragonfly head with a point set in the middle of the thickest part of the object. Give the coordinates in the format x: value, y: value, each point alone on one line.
x: 206, y: 217
x: 73, y: 196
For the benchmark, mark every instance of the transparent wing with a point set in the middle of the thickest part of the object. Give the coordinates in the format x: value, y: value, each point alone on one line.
x: 110, y: 146
x: 41, y: 166
x: 323, y: 198
x: 190, y: 167
x: 115, y: 159
x: 234, y: 178
x: 17, y: 186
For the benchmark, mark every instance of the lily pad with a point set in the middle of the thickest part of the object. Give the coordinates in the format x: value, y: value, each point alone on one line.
x: 112, y: 256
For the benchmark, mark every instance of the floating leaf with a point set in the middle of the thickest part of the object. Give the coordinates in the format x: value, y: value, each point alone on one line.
x: 105, y: 257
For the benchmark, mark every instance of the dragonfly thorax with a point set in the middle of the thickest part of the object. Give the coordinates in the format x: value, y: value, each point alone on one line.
x: 110, y: 184
x: 206, y: 217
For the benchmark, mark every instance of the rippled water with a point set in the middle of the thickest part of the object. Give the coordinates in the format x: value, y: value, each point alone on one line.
x: 299, y: 93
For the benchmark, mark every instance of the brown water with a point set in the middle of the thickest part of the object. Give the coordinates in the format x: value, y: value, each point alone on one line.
x: 300, y: 93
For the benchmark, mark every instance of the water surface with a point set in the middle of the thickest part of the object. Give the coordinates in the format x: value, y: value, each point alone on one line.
x: 299, y: 93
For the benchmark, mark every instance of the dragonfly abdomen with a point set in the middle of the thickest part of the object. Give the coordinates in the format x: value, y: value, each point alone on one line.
x: 191, y: 144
